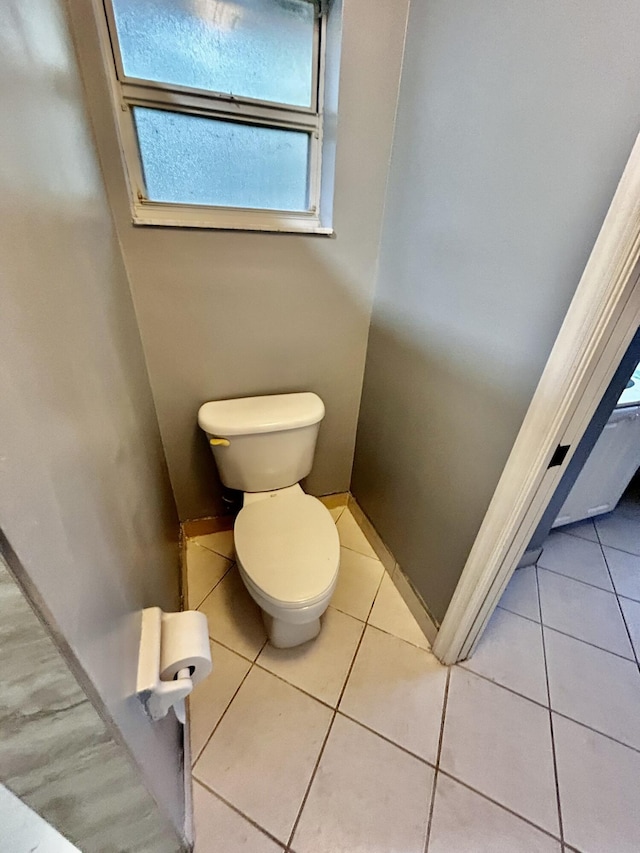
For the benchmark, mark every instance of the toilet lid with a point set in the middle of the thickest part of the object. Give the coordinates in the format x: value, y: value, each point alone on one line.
x: 288, y: 546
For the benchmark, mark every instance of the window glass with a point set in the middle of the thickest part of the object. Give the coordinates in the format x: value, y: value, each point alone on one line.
x: 251, y: 48
x: 194, y: 160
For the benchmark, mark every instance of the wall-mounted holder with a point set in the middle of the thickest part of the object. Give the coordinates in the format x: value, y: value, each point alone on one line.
x: 174, y: 656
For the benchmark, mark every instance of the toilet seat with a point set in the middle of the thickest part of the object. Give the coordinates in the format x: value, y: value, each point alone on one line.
x: 288, y: 549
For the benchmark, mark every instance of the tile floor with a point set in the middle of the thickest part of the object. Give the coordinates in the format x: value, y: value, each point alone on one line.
x: 361, y: 742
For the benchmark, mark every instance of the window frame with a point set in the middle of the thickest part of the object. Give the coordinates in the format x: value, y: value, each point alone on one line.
x: 128, y: 92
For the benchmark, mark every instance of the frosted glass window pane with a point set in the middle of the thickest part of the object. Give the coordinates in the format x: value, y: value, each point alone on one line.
x: 197, y: 160
x: 252, y: 48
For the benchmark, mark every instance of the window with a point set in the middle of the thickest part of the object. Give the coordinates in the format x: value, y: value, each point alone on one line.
x: 219, y: 107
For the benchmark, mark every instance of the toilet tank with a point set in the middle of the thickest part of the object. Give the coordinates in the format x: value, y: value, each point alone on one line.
x: 269, y: 442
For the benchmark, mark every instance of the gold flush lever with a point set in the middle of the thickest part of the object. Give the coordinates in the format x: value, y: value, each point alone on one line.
x: 219, y: 442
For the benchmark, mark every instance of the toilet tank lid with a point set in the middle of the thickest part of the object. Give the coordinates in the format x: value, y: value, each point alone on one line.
x: 270, y: 413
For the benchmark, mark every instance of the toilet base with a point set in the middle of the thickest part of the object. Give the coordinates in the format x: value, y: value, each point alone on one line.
x: 286, y: 635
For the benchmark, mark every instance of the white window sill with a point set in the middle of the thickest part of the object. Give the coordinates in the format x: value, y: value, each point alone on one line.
x: 227, y: 219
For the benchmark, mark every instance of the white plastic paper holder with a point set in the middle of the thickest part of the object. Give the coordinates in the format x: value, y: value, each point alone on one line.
x: 156, y: 695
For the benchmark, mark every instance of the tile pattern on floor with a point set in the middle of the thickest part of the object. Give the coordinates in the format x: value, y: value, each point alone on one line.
x: 361, y: 741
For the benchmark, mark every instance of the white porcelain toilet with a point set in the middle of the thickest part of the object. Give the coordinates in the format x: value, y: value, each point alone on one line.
x: 287, y: 546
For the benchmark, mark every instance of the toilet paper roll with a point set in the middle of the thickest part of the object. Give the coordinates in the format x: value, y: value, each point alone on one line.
x: 185, y: 643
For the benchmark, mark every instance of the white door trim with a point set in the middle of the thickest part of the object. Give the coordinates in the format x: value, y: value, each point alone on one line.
x: 600, y: 323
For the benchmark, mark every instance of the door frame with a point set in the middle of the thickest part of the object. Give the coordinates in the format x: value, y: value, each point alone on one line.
x: 599, y: 326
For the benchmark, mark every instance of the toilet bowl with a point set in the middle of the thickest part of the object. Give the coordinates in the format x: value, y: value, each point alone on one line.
x: 287, y: 546
x: 288, y: 553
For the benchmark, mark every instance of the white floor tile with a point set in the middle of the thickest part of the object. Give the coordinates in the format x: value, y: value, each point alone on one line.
x: 521, y: 594
x: 351, y: 536
x: 391, y: 614
x: 204, y: 569
x: 336, y: 512
x: 599, y: 790
x: 500, y: 744
x: 594, y: 687
x: 358, y: 581
x: 584, y: 529
x: 576, y: 558
x: 262, y: 754
x: 320, y: 666
x: 234, y: 617
x: 209, y: 699
x: 465, y: 822
x: 625, y: 571
x: 621, y: 528
x: 221, y: 542
x: 584, y: 612
x: 631, y: 610
x: 510, y: 653
x: 367, y: 797
x: 219, y: 829
x: 397, y: 690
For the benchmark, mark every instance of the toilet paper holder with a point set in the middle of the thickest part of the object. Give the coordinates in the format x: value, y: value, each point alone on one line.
x: 174, y: 656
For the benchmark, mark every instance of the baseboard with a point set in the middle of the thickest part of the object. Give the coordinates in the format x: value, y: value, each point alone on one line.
x: 203, y: 526
x: 334, y: 500
x: 411, y: 598
x: 384, y: 554
x: 529, y: 558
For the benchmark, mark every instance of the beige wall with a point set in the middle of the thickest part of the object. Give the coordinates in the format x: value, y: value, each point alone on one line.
x: 515, y: 121
x: 85, y: 500
x: 233, y: 314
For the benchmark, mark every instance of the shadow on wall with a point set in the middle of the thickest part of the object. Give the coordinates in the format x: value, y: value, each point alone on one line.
x: 433, y: 437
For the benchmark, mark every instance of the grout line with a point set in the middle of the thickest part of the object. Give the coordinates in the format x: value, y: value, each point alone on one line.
x: 596, y: 731
x: 346, y: 613
x: 216, y: 584
x: 551, y: 730
x: 550, y: 707
x: 387, y: 739
x: 587, y: 643
x: 578, y: 580
x: 229, y: 703
x: 528, y: 618
x: 308, y: 788
x: 360, y: 554
x: 384, y: 571
x: 195, y: 760
x: 402, y: 639
x: 503, y: 686
x: 212, y: 550
x: 627, y: 597
x: 322, y: 748
x: 604, y: 544
x: 236, y: 652
x: 342, y: 509
x: 564, y: 633
x: 499, y: 804
x: 239, y: 812
x: 432, y: 798
x: 624, y: 619
x: 295, y: 686
x: 572, y: 533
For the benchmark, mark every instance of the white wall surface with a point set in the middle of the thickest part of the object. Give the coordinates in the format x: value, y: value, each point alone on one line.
x: 84, y: 495
x: 234, y: 314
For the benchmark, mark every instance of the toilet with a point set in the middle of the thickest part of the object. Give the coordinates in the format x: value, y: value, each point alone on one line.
x: 287, y: 546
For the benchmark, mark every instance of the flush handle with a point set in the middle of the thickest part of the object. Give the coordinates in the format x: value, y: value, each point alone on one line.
x: 219, y: 442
